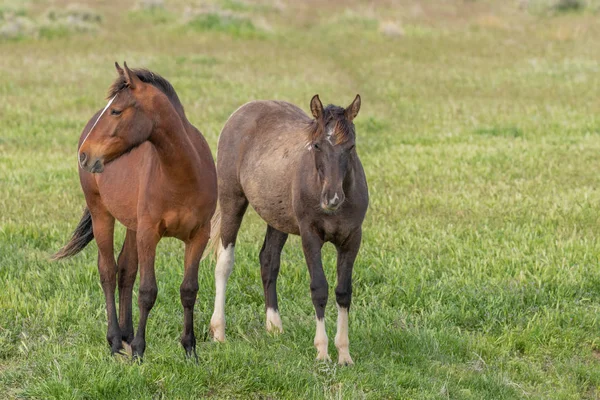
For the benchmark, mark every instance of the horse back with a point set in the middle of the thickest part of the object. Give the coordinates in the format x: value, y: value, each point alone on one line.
x: 258, y: 153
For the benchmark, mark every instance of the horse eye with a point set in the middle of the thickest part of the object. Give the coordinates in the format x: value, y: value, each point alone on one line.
x: 115, y: 112
x: 316, y: 146
x: 351, y: 148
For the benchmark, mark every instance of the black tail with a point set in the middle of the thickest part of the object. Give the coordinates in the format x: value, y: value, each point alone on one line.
x: 82, y: 235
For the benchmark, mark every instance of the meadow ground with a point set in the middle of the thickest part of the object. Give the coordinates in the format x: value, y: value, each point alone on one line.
x: 478, y: 276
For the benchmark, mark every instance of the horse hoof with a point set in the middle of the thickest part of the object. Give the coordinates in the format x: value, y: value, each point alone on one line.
x: 345, y: 359
x: 220, y: 338
x: 137, y: 350
x: 191, y: 355
x: 276, y: 330
x: 116, y: 348
x: 217, y: 329
x: 274, y: 324
x: 323, y: 356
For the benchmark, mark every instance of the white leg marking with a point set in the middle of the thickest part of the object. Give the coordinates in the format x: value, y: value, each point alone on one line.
x: 321, y: 341
x: 93, y: 126
x: 222, y: 271
x: 274, y: 321
x: 341, y: 337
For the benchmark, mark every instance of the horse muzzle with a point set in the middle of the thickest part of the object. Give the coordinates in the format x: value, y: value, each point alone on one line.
x: 331, y: 202
x: 95, y: 165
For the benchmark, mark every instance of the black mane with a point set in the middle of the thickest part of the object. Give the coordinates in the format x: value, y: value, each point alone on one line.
x: 153, y: 79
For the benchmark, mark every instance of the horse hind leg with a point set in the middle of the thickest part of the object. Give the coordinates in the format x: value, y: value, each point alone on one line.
x: 103, y: 225
x: 270, y: 261
x: 232, y: 213
x: 189, y: 288
x: 128, y: 266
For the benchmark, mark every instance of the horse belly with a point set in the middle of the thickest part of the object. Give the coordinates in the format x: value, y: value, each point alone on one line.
x: 271, y: 198
x: 119, y: 187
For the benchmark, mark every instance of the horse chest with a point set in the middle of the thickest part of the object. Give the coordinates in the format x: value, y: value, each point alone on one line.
x: 335, y: 228
x: 179, y: 223
x: 177, y: 216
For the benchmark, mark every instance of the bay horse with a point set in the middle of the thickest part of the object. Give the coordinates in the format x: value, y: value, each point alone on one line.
x: 144, y: 164
x: 303, y: 177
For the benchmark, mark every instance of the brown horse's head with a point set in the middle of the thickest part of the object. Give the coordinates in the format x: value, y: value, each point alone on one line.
x: 332, y: 142
x: 125, y: 122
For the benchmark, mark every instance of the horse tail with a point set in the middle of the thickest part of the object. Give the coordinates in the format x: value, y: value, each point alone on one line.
x: 215, y: 235
x: 82, y: 235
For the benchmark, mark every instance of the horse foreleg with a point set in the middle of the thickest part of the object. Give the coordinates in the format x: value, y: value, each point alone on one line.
x: 189, y: 288
x: 311, y: 245
x: 343, y: 294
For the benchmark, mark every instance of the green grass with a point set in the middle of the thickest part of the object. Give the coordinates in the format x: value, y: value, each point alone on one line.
x: 232, y: 25
x: 478, y: 276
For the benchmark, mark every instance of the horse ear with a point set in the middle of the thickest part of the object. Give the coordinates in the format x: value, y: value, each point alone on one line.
x: 131, y: 78
x: 119, y: 69
x: 352, y: 110
x: 316, y: 107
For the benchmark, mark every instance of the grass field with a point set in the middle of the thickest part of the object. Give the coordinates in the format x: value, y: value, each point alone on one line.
x: 479, y: 132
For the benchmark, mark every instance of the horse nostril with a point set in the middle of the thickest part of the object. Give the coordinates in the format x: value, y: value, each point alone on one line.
x: 97, y: 167
x: 82, y: 158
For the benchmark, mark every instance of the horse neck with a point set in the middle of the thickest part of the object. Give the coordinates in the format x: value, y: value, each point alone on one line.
x: 174, y: 147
